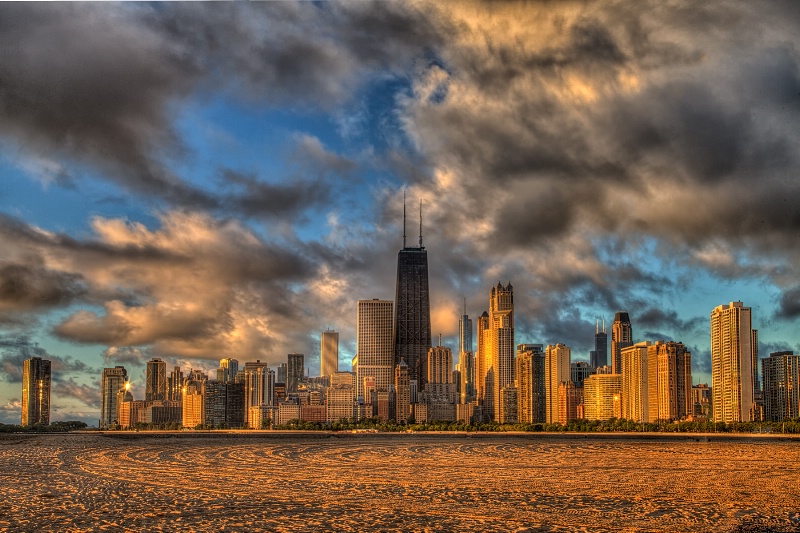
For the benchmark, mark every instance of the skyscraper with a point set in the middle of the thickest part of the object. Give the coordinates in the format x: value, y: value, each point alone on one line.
x: 599, y: 356
x: 464, y: 332
x: 500, y: 344
x: 375, y: 346
x: 557, y: 371
x: 532, y: 392
x: 579, y: 371
x: 635, y: 404
x: 328, y: 353
x: 227, y: 370
x: 732, y: 363
x: 224, y: 404
x: 621, y: 337
x: 466, y: 358
x: 482, y: 376
x: 412, y: 328
x: 781, y: 378
x: 402, y: 394
x: 467, y: 376
x: 259, y: 385
x: 439, y: 375
x: 601, y: 396
x: 295, y: 371
x: 155, y: 380
x: 669, y: 381
x: 569, y: 398
x: 113, y: 381
x: 175, y: 384
x: 36, y: 391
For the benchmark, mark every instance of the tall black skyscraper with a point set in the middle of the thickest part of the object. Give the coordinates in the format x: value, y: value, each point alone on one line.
x: 412, y: 331
x: 599, y: 356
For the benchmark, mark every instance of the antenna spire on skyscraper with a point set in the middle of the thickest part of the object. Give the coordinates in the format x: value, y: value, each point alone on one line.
x: 420, y: 224
x: 404, y: 218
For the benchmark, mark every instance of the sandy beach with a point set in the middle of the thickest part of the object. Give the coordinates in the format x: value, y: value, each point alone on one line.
x: 296, y: 482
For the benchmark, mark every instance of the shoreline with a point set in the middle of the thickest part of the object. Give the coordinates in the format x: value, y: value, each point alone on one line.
x: 433, y: 435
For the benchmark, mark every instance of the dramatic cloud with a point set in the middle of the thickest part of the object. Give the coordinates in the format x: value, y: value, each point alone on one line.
x: 126, y: 355
x: 87, y: 394
x: 30, y: 286
x: 599, y: 156
x: 108, y: 102
x: 790, y: 304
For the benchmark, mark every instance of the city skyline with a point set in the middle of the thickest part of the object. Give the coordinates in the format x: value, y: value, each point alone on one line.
x: 168, y: 198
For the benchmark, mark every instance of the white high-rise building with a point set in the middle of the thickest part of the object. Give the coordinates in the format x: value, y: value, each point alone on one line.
x: 733, y: 368
x: 557, y: 370
x: 375, y: 344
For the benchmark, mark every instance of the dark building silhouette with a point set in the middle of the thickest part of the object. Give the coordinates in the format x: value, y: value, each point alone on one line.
x: 224, y: 404
x: 295, y: 371
x: 599, y: 356
x: 621, y: 337
x: 155, y: 380
x: 412, y: 332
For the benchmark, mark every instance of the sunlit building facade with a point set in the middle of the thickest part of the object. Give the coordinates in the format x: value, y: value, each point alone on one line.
x: 635, y: 392
x: 175, y: 384
x: 732, y: 364
x: 570, y: 397
x: 340, y: 403
x: 669, y: 381
x: 483, y: 379
x: 402, y: 388
x: 375, y: 344
x: 531, y: 383
x: 328, y: 353
x: 192, y: 407
x: 500, y: 344
x: 602, y: 396
x: 557, y: 370
x: 36, y: 391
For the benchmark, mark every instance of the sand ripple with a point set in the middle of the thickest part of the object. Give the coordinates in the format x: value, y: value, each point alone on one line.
x: 91, y: 483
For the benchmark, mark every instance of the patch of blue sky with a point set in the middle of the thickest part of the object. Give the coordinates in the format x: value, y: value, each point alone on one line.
x: 61, y: 207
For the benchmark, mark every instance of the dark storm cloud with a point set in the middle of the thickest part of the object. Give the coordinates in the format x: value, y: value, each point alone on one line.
x: 31, y: 286
x: 767, y: 348
x: 100, y: 85
x: 701, y: 360
x: 282, y: 201
x: 789, y: 306
x: 658, y: 317
x: 625, y: 107
x: 84, y: 83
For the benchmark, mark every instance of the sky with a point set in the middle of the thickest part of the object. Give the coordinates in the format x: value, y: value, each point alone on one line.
x: 193, y: 182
